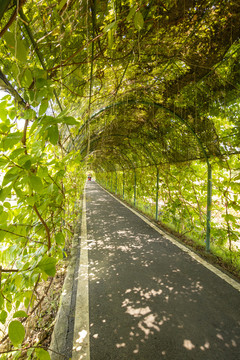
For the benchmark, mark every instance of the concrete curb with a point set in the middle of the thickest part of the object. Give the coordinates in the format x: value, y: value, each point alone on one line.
x: 58, y: 344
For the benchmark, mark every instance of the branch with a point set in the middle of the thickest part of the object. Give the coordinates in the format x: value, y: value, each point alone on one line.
x: 45, y: 225
x: 9, y: 270
x: 6, y: 85
x: 24, y: 138
x: 13, y: 233
x: 76, y: 52
x: 12, y: 18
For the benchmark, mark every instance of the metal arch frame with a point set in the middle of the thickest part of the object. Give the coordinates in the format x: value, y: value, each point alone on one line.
x: 178, y: 117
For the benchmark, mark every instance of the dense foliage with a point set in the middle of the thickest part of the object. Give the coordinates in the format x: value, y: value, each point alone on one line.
x: 180, y: 200
x: 125, y: 88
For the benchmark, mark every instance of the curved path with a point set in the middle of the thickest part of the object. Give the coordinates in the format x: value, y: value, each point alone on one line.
x: 142, y: 297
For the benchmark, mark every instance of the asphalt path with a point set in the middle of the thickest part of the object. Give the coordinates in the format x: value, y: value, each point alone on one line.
x: 148, y: 299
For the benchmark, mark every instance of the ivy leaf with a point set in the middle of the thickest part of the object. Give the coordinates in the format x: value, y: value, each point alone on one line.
x: 42, y: 354
x: 16, y: 332
x: 48, y: 265
x: 138, y: 21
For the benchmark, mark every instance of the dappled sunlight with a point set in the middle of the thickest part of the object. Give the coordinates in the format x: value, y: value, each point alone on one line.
x: 80, y: 346
x: 145, y: 298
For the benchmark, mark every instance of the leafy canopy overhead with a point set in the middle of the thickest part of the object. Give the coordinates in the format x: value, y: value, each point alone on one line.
x: 183, y: 55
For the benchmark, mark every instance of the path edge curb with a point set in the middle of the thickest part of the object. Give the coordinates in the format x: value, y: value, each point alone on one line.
x: 59, y: 335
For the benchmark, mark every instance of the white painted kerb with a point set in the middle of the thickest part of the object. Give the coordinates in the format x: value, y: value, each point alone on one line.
x: 81, y: 346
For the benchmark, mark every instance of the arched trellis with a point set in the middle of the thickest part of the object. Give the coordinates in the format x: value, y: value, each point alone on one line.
x: 191, y: 130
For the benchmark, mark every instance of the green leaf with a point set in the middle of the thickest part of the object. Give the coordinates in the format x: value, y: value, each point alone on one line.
x: 61, y: 5
x: 5, y: 193
x: 111, y: 26
x: 9, y: 306
x: 138, y: 21
x: 36, y: 183
x: 31, y: 200
x: 230, y: 217
x: 7, y: 205
x: 10, y: 176
x: 1, y: 301
x: 21, y: 53
x: 3, y: 162
x: 10, y: 140
x: 9, y: 37
x: 20, y: 314
x: 131, y: 12
x: 27, y: 165
x: 28, y: 78
x: 43, y: 107
x: 110, y: 39
x: 60, y: 239
x: 15, y: 153
x: 16, y: 332
x: 69, y: 120
x: 53, y: 134
x: 3, y: 316
x: 4, y: 217
x: 42, y: 354
x: 60, y: 174
x: 17, y: 46
x: 48, y: 265
x: 29, y: 114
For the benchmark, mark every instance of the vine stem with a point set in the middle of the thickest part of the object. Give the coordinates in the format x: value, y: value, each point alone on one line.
x: 45, y: 225
x: 32, y: 311
x: 12, y: 18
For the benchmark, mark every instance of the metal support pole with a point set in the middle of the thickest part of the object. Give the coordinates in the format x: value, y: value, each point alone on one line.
x: 135, y: 187
x: 157, y: 190
x: 209, y: 205
x: 116, y: 184
x: 123, y: 184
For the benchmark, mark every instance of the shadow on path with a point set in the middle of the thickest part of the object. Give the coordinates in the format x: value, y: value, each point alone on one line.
x: 149, y: 299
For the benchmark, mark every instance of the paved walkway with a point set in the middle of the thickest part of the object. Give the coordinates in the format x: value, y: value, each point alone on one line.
x: 148, y: 299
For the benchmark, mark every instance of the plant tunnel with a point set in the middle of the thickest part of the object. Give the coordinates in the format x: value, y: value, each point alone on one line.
x: 142, y: 94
